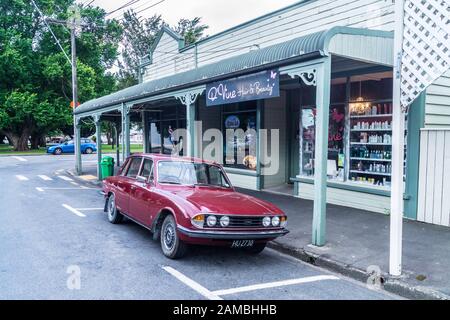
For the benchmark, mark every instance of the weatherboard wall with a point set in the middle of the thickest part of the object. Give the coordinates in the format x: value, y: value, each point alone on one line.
x: 303, y: 18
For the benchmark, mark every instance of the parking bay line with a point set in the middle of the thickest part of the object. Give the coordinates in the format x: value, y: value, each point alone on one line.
x: 192, y: 284
x: 273, y: 285
x: 73, y: 210
x: 22, y: 178
x: 42, y: 189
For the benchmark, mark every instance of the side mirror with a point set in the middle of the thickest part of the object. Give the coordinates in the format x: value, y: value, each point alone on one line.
x: 141, y: 179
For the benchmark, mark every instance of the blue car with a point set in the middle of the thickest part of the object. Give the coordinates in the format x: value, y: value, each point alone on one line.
x: 87, y: 147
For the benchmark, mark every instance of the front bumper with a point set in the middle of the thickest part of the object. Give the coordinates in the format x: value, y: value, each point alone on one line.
x: 232, y: 235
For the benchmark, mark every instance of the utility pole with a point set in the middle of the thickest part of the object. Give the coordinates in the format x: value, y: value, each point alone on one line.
x: 74, y: 22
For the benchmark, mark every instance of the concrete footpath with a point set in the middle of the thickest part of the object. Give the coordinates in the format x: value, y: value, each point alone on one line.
x: 358, y: 243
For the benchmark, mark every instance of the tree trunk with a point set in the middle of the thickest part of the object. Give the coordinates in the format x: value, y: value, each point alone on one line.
x: 2, y: 137
x: 35, y: 142
x: 19, y: 141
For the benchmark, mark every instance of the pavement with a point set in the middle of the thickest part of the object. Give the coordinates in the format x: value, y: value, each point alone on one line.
x: 56, y: 243
x: 358, y: 246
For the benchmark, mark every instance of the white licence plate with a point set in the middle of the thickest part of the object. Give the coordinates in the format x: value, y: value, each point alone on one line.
x: 242, y: 243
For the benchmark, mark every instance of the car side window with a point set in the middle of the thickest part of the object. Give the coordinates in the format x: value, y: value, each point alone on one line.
x: 147, y: 169
x: 133, y: 168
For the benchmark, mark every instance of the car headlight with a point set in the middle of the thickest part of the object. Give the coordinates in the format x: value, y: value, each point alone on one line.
x: 267, y: 222
x: 275, y: 221
x: 198, y: 221
x: 225, y: 221
x: 211, y: 221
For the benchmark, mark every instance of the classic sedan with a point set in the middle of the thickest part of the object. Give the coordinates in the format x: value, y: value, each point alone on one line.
x: 186, y: 201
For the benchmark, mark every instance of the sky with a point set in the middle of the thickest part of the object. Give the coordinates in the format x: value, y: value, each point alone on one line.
x: 218, y: 14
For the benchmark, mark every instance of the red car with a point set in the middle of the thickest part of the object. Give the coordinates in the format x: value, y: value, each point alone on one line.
x: 185, y: 201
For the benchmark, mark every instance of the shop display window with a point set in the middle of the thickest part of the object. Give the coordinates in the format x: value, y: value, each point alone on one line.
x: 360, y: 132
x: 240, y: 148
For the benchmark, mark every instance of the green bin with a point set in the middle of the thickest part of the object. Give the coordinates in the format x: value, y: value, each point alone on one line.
x: 107, y: 166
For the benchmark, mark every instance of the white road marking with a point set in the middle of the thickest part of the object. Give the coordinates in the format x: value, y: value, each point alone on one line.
x: 40, y: 189
x: 73, y: 210
x: 20, y: 159
x: 45, y: 178
x: 74, y: 183
x: 273, y: 285
x: 90, y: 209
x: 65, y: 178
x: 22, y: 178
x: 85, y: 188
x: 192, y: 284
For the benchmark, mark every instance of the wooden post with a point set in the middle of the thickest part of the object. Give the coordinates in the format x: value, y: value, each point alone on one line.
x: 398, y: 150
x: 321, y: 150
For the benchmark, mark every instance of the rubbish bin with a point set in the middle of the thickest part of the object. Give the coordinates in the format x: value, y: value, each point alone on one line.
x: 107, y: 165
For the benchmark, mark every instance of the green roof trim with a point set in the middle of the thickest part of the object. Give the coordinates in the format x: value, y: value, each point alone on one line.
x: 300, y: 49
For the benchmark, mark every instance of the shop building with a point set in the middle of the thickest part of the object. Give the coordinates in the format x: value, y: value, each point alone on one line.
x: 327, y: 73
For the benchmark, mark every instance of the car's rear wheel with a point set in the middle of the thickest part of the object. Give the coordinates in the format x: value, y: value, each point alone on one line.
x: 57, y: 151
x: 257, y: 248
x: 114, y: 216
x: 89, y: 151
x: 171, y: 245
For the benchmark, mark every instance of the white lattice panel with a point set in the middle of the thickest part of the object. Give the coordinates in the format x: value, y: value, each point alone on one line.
x: 426, y: 46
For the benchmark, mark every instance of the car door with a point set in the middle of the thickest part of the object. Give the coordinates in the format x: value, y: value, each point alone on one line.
x: 125, y: 183
x: 69, y: 147
x: 141, y: 195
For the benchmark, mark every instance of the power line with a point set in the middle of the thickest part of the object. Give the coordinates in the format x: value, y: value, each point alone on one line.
x: 153, y: 5
x: 129, y: 3
x: 90, y: 2
x: 51, y: 31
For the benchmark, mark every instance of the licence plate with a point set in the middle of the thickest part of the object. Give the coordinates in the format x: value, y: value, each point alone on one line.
x: 242, y: 243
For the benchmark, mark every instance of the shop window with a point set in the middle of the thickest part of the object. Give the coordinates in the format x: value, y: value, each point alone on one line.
x: 360, y: 136
x: 240, y: 148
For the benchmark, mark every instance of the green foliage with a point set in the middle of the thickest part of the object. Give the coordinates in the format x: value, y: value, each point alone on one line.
x: 139, y: 36
x: 191, y: 30
x: 36, y: 77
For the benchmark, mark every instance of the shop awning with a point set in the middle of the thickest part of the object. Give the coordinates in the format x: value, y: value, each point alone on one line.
x: 362, y: 44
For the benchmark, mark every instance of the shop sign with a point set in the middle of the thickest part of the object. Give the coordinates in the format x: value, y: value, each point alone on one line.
x: 254, y: 87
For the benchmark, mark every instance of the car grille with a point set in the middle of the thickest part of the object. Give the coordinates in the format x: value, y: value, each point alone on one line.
x: 242, y: 222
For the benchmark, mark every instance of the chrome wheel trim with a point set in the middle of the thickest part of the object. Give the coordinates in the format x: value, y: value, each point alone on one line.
x: 111, y: 208
x: 169, y: 236
x: 89, y: 151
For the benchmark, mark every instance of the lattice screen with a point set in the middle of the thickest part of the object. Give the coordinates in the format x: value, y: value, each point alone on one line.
x: 426, y: 46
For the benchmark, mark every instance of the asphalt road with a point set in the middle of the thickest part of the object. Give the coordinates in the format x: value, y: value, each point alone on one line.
x: 56, y: 243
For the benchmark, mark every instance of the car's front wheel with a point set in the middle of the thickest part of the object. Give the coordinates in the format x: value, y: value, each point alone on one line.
x: 114, y: 216
x: 89, y: 151
x: 57, y: 152
x: 171, y: 245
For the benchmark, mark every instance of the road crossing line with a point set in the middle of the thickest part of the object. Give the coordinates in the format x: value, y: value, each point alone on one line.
x: 65, y: 178
x: 45, y: 178
x: 22, y: 178
x: 74, y: 211
x: 273, y: 285
x: 40, y: 189
x: 20, y: 159
x: 192, y: 284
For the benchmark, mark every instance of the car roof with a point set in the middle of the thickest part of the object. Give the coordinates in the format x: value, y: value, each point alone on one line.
x: 162, y: 157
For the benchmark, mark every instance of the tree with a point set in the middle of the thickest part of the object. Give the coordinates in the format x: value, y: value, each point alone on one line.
x: 191, y: 30
x: 139, y: 36
x: 35, y: 76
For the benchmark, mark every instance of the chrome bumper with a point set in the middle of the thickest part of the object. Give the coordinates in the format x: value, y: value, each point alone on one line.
x: 232, y: 235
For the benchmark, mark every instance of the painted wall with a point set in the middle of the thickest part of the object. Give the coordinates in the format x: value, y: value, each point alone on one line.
x: 438, y: 103
x: 347, y: 198
x: 434, y: 182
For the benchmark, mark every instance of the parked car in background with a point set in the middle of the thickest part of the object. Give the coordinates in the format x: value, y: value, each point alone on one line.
x: 185, y: 201
x: 87, y: 147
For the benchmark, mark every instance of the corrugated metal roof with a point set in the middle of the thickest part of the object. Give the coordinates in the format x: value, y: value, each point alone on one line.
x: 302, y: 48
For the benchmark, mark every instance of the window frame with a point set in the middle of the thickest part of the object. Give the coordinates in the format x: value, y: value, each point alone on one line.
x: 129, y: 165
